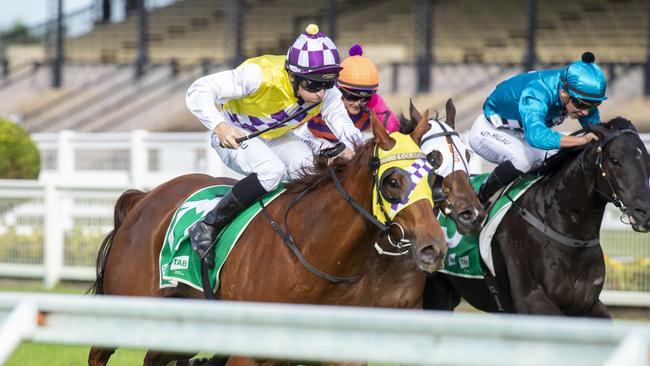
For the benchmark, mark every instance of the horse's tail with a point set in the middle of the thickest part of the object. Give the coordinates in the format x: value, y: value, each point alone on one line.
x: 123, y: 205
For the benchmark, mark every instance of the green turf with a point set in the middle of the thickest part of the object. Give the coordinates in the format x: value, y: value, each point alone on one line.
x: 31, y: 354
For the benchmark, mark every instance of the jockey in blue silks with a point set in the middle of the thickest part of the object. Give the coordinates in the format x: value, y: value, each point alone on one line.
x: 515, y: 128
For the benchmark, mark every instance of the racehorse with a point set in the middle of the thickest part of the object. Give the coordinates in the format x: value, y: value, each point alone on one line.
x: 330, y: 235
x: 556, y: 266
x: 455, y: 197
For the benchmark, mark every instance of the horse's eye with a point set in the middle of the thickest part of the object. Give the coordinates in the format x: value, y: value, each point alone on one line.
x: 615, y: 161
x: 393, y: 183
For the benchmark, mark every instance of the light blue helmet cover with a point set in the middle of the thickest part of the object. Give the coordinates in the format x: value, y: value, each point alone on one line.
x: 584, y: 79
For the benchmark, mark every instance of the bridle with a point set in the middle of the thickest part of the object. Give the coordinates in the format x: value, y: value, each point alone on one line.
x: 613, y: 197
x: 440, y: 193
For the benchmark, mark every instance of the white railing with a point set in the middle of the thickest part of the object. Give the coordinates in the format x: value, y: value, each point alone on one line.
x: 319, y: 333
x: 138, y: 158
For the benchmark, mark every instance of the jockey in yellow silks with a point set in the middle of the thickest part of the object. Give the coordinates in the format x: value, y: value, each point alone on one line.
x: 258, y: 95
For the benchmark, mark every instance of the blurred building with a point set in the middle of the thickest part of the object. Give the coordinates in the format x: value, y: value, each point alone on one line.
x: 474, y: 45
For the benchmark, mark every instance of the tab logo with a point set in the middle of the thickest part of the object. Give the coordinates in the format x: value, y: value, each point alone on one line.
x: 181, y: 262
x: 464, y: 262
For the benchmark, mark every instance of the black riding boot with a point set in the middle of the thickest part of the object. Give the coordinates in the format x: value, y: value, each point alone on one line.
x: 204, y: 232
x: 504, y: 174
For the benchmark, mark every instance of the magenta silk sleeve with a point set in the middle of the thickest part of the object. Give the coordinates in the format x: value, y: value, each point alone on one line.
x: 377, y: 104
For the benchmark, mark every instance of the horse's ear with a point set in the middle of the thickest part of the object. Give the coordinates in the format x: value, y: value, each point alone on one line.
x: 435, y: 159
x: 382, y: 139
x: 415, y: 114
x: 451, y: 113
x: 421, y: 128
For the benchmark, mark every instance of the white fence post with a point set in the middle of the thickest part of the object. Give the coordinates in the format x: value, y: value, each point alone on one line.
x: 65, y: 154
x: 52, y: 237
x: 139, y: 156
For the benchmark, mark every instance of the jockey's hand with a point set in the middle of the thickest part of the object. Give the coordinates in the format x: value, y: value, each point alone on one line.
x: 570, y: 141
x: 588, y: 137
x: 227, y: 135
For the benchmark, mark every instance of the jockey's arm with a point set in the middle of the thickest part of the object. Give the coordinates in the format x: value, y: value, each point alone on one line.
x: 208, y: 91
x: 533, y: 108
x: 338, y: 120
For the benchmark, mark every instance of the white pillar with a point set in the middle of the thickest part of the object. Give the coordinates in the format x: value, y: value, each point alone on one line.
x: 139, y: 155
x: 65, y: 155
x: 52, y: 238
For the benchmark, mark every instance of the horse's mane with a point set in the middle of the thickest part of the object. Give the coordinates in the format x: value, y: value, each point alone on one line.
x: 619, y: 123
x: 311, y: 177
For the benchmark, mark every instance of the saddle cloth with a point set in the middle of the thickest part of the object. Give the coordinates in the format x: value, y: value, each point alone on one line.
x: 178, y: 262
x: 464, y: 252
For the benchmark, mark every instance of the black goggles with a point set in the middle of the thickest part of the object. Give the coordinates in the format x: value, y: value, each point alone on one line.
x: 314, y: 86
x: 581, y: 104
x: 353, y: 98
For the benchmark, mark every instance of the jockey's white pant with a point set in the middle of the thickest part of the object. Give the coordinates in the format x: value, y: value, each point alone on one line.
x: 498, y: 145
x: 274, y: 160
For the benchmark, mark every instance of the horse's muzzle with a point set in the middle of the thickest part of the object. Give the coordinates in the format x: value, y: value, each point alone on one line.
x: 639, y: 219
x: 431, y: 257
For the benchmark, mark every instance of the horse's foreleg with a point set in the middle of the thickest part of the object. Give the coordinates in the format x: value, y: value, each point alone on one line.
x: 99, y: 356
x: 535, y: 302
x: 439, y: 294
x: 599, y: 310
x: 156, y: 358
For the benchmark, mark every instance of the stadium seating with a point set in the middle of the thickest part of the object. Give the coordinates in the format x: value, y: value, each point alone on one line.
x: 475, y: 45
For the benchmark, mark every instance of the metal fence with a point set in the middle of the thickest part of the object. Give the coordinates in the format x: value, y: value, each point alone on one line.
x: 318, y: 333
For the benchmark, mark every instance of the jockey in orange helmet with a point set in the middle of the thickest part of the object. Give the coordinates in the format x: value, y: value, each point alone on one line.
x: 358, y: 82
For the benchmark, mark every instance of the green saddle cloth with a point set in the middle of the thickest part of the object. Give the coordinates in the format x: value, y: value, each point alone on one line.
x: 463, y: 257
x: 178, y: 262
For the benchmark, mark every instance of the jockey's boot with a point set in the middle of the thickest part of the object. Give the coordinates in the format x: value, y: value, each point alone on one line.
x: 204, y: 232
x: 504, y: 174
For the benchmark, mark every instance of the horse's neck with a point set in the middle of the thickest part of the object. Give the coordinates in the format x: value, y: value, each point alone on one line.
x: 341, y: 236
x: 568, y: 199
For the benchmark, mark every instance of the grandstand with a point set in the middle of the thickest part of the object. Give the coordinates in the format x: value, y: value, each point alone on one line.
x: 475, y: 45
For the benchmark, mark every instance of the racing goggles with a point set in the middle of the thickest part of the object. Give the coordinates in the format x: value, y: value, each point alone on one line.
x: 353, y: 97
x: 314, y: 86
x: 583, y: 105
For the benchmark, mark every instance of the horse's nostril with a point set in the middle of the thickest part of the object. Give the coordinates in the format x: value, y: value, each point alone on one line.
x: 466, y: 216
x: 428, y: 254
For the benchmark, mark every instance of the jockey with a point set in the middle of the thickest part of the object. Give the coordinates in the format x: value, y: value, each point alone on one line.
x: 514, y: 130
x: 358, y: 83
x: 258, y: 95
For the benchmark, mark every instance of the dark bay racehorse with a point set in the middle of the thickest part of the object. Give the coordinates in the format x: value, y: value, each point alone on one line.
x: 329, y: 233
x: 561, y: 272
